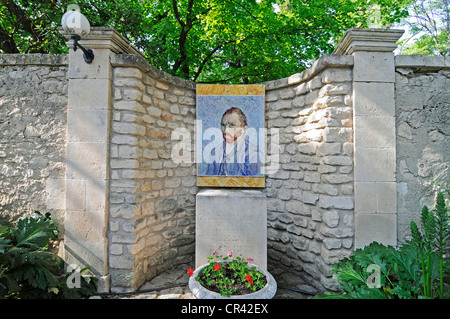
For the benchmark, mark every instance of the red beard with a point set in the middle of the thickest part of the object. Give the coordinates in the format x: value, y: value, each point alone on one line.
x: 229, y: 138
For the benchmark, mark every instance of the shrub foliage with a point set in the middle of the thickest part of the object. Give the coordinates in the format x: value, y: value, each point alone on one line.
x: 416, y: 270
x: 28, y: 269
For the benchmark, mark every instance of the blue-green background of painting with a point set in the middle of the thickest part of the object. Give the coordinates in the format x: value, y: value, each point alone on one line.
x: 210, y: 109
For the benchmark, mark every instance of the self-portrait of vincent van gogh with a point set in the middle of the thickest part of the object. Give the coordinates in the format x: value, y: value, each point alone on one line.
x: 230, y: 139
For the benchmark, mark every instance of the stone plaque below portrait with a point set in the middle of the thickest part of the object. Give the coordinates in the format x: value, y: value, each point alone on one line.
x: 231, y: 220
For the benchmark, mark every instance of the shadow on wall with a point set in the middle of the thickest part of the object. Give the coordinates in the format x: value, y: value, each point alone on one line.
x: 152, y: 198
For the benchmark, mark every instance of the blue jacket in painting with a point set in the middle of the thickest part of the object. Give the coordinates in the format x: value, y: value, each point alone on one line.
x: 242, y: 159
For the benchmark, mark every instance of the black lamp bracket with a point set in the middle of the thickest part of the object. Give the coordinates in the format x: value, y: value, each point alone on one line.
x: 88, y: 54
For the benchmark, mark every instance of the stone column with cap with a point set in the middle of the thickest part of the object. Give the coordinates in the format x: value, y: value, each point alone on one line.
x: 374, y: 133
x: 87, y: 151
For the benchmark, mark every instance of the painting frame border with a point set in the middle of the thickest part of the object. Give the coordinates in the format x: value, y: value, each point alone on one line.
x: 230, y: 90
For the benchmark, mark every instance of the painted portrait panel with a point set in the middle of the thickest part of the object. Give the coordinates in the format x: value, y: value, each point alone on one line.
x: 230, y: 135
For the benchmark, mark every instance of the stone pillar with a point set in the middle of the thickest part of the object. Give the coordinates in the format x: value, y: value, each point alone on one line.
x: 87, y: 151
x: 374, y: 133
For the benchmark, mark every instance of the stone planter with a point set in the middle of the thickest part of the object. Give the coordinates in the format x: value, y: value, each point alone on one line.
x: 200, y: 292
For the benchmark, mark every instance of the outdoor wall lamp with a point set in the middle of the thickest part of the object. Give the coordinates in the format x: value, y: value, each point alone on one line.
x: 76, y: 24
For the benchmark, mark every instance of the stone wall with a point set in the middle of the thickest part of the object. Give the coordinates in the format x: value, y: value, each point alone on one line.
x: 33, y: 98
x: 310, y: 198
x: 129, y: 210
x: 152, y: 198
x: 423, y: 134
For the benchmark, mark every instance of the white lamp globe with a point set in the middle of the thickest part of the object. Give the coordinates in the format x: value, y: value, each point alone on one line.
x: 74, y: 22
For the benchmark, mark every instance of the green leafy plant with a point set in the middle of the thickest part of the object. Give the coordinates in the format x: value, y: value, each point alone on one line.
x: 431, y: 244
x: 28, y: 269
x: 415, y: 270
x: 230, y: 276
x: 395, y: 271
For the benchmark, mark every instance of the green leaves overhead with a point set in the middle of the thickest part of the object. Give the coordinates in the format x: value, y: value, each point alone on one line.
x: 237, y: 41
x: 429, y: 28
x: 217, y: 41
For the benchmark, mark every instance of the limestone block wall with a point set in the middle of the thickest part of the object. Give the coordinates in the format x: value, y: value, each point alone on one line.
x: 33, y: 98
x: 152, y: 198
x: 423, y: 133
x: 310, y: 198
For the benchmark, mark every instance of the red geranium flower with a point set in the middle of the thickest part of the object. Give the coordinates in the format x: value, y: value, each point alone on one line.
x: 190, y: 272
x: 249, y: 279
x: 216, y: 267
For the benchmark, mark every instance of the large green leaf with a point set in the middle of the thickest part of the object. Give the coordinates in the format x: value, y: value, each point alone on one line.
x: 34, y: 232
x: 374, y: 254
x: 348, y: 274
x: 28, y: 269
x: 406, y: 260
x: 4, y: 242
x: 354, y: 283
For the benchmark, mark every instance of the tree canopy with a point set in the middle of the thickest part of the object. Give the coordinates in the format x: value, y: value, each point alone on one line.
x: 212, y: 41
